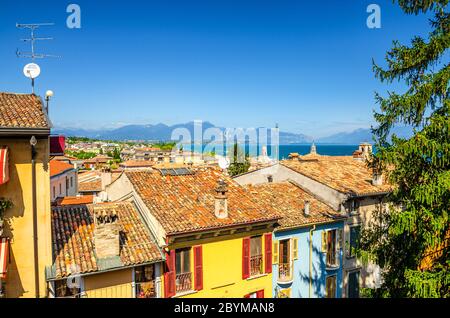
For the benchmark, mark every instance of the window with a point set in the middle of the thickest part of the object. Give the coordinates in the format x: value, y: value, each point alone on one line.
x: 54, y: 192
x: 330, y: 291
x: 270, y: 179
x: 353, y: 284
x: 183, y: 279
x: 144, y: 277
x: 67, y: 185
x: 354, y: 240
x: 258, y: 294
x: 331, y: 244
x: 64, y: 291
x: 71, y: 182
x: 354, y: 206
x: 256, y: 258
x: 284, y: 264
x: 331, y: 248
x: 60, y: 189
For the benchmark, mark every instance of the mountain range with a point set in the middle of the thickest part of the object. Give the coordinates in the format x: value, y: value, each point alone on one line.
x: 162, y: 132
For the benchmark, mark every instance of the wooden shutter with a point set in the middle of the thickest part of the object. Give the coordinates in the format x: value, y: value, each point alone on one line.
x: 268, y: 253
x: 276, y: 247
x: 260, y: 294
x: 4, y: 165
x: 339, y: 238
x: 198, y: 265
x: 295, y: 249
x: 246, y: 258
x: 169, y: 275
x: 324, y: 241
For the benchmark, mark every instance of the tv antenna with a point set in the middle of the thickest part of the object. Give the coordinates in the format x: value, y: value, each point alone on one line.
x: 32, y: 70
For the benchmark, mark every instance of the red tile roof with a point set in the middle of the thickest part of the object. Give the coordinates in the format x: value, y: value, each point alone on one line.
x: 22, y: 111
x: 342, y: 173
x: 91, y: 186
x: 57, y: 167
x: 84, y: 199
x: 185, y: 203
x: 288, y: 199
x: 73, y: 242
x: 137, y: 164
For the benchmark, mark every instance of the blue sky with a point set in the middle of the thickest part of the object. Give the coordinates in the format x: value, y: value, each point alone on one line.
x: 303, y: 64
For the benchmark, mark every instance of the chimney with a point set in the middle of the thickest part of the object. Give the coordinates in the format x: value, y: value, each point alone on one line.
x: 106, y: 233
x: 106, y: 177
x: 221, y: 200
x: 366, y: 149
x: 306, y: 208
x: 377, y: 179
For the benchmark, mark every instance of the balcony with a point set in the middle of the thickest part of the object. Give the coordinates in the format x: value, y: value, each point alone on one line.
x: 256, y: 263
x: 333, y: 259
x: 285, y: 272
x: 183, y: 282
x: 146, y: 289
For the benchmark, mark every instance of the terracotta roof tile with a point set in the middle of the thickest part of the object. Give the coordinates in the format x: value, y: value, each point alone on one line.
x: 137, y: 164
x: 84, y: 199
x: 58, y: 167
x: 91, y: 186
x: 342, y: 173
x: 73, y: 238
x: 289, y: 200
x: 186, y: 203
x: 21, y: 111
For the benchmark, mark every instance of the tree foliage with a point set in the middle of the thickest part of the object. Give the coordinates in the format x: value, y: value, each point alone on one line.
x: 240, y: 162
x: 410, y: 241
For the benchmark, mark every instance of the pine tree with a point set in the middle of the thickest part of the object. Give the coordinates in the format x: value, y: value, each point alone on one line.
x: 240, y: 163
x: 411, y: 241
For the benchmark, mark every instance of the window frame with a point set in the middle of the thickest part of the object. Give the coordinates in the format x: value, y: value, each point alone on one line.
x: 334, y: 277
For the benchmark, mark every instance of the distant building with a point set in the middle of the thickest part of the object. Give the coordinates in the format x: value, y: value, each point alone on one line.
x: 98, y: 162
x: 63, y: 179
x: 136, y: 164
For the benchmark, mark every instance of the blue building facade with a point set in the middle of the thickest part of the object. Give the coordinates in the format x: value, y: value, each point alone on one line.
x: 305, y: 270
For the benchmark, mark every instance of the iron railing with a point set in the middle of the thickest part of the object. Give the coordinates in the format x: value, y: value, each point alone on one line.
x: 183, y: 282
x: 284, y: 272
x: 333, y: 259
x: 256, y: 263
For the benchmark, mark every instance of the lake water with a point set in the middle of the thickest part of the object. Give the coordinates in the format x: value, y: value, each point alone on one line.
x: 285, y: 150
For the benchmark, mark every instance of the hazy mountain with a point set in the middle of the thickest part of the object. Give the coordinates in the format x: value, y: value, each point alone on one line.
x: 161, y: 132
x: 360, y: 135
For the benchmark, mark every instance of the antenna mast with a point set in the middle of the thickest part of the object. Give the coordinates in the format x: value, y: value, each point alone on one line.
x: 28, y: 70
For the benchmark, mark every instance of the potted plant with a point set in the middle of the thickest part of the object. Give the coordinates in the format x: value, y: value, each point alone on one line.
x: 4, y: 205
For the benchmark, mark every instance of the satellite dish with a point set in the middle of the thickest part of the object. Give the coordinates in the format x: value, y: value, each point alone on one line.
x: 31, y: 70
x: 224, y: 163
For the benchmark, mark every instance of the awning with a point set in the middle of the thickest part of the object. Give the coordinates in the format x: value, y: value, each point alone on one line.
x: 4, y: 254
x: 4, y: 165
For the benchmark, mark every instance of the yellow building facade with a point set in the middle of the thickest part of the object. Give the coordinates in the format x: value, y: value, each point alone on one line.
x: 222, y: 268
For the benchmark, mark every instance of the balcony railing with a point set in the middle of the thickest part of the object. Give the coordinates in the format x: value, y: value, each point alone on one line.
x: 284, y: 272
x: 256, y: 265
x: 333, y: 259
x: 183, y: 282
x: 146, y: 289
